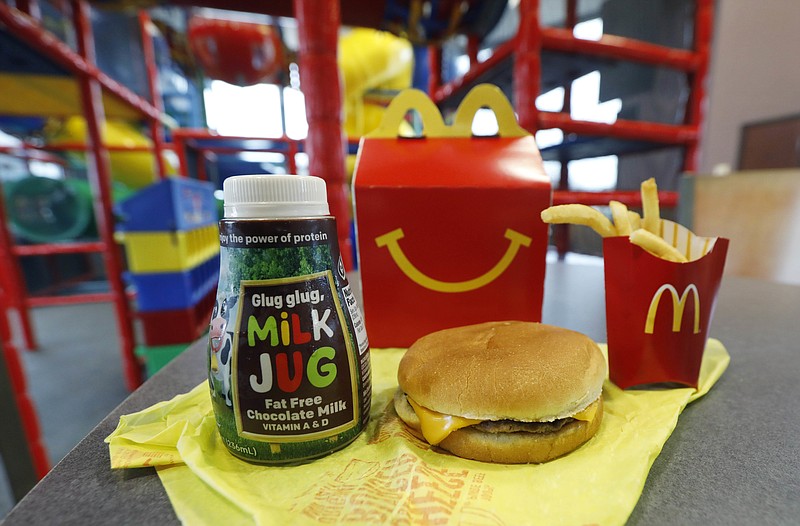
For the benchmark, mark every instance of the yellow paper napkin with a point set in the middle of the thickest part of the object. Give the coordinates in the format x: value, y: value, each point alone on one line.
x: 389, y: 477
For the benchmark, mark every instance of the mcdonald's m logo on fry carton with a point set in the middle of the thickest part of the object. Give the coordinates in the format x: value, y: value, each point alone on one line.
x: 678, y: 306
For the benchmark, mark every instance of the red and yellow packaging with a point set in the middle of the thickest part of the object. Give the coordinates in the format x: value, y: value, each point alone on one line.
x: 658, y: 312
x: 448, y: 223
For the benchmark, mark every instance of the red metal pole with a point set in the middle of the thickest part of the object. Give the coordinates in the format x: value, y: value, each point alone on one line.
x: 12, y: 280
x: 30, y: 8
x: 100, y: 178
x: 561, y: 237
x: 439, y: 92
x: 291, y: 154
x: 561, y: 39
x: 202, y: 158
x: 473, y: 46
x: 527, y: 64
x: 434, y: 69
x: 184, y: 138
x: 47, y: 249
x: 179, y: 146
x: 149, y: 55
x: 631, y: 198
x: 318, y: 32
x: 704, y: 19
x: 623, y: 129
x: 620, y: 48
x: 27, y: 411
x: 72, y: 299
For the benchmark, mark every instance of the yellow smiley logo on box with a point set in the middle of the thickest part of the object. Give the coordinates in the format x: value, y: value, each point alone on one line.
x: 391, y: 240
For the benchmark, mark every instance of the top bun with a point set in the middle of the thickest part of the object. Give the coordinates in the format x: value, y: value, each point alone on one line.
x: 509, y: 370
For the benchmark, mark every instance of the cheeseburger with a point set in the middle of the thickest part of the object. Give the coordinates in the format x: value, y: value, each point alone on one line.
x: 509, y: 392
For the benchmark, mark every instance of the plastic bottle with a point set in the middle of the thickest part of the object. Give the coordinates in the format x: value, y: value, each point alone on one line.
x: 288, y: 356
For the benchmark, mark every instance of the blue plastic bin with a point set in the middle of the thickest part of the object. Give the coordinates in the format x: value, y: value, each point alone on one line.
x: 169, y: 205
x: 174, y: 290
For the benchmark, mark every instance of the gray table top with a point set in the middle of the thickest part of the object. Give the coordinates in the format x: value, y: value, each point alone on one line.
x: 734, y: 457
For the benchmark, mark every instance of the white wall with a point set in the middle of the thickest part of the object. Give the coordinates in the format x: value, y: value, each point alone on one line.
x: 754, y: 74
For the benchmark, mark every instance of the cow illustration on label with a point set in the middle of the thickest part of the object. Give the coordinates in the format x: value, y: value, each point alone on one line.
x: 220, y: 347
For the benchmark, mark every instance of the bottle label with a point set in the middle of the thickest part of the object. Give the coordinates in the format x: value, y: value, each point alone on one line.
x: 288, y: 360
x: 294, y: 366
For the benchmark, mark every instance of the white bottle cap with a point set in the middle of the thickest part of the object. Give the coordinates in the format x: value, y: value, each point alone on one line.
x: 268, y: 196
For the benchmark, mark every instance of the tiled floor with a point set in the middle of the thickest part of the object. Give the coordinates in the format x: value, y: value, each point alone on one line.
x: 74, y: 377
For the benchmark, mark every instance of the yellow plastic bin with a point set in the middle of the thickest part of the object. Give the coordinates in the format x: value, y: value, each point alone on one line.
x: 153, y: 252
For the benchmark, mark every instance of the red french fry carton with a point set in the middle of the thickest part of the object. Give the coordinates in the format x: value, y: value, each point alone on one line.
x: 448, y: 224
x: 658, y: 312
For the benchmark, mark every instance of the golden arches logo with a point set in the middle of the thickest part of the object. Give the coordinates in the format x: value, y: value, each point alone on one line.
x: 678, y: 306
x: 390, y: 240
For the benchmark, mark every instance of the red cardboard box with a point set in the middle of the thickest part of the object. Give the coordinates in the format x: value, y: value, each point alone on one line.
x: 448, y: 224
x: 658, y: 313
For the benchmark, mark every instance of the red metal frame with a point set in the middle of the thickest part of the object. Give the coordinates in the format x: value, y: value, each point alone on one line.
x: 30, y: 8
x: 526, y: 49
x: 185, y: 138
x: 27, y: 411
x: 44, y: 42
x: 435, y: 73
x: 318, y: 34
x: 629, y: 197
x: 561, y: 235
x: 704, y: 21
x: 100, y: 177
x: 91, y: 82
x: 156, y: 130
x: 30, y: 152
x: 12, y: 282
x: 39, y: 152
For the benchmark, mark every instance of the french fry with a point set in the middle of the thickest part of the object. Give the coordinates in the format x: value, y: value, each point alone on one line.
x: 579, y: 215
x: 651, y: 216
x: 656, y: 246
x: 619, y: 212
x: 643, y: 231
x: 635, y: 220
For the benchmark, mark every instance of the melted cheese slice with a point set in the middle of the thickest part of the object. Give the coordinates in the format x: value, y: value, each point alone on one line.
x: 587, y: 414
x: 437, y: 426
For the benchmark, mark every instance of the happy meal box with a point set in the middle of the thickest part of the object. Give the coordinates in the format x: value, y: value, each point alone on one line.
x: 658, y: 312
x: 447, y: 223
